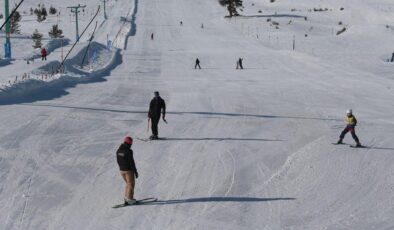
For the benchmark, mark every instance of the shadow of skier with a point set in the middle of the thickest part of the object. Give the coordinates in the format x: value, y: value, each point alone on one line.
x: 219, y: 199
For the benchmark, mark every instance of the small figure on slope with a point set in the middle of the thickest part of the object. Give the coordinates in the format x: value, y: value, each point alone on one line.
x: 156, y: 107
x: 239, y: 64
x: 151, y: 36
x: 197, y: 64
x: 128, y: 171
x: 43, y: 54
x: 351, y: 126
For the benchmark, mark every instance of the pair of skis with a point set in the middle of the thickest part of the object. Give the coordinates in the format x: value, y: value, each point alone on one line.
x: 149, y: 139
x: 139, y: 202
x: 351, y: 146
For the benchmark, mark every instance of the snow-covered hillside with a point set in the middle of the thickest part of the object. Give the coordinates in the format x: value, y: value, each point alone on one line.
x: 243, y: 149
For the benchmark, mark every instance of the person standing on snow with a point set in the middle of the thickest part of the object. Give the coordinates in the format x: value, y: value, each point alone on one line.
x: 197, y: 64
x: 156, y: 107
x: 128, y: 171
x: 239, y: 64
x: 351, y: 125
x: 43, y: 54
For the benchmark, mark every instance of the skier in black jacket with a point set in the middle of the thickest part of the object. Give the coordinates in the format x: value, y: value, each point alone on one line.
x: 156, y: 107
x: 127, y: 168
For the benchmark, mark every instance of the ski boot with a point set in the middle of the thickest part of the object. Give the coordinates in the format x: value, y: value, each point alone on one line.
x: 339, y: 141
x: 153, y: 137
x: 129, y: 201
x: 358, y: 144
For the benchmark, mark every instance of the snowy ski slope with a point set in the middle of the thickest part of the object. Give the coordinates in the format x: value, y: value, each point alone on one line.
x: 244, y: 149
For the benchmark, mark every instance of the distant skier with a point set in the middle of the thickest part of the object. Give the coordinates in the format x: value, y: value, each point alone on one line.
x: 351, y: 125
x: 181, y: 23
x: 239, y: 63
x: 43, y: 54
x: 151, y: 36
x: 392, y: 57
x: 156, y: 107
x: 202, y: 25
x: 197, y: 64
x: 128, y: 171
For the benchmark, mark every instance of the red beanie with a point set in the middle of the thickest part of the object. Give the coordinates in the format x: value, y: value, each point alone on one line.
x: 128, y: 140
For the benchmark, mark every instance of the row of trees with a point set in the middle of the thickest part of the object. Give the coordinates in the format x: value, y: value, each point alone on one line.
x: 41, y: 13
x: 37, y: 36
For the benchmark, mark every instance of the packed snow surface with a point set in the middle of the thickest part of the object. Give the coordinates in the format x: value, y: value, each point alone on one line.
x: 243, y: 149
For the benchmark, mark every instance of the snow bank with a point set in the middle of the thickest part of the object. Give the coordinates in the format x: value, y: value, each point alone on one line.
x: 52, y: 45
x: 45, y: 83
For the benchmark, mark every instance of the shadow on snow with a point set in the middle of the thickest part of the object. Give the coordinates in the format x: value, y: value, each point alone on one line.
x: 273, y: 16
x: 218, y: 199
x: 214, y: 139
x: 191, y: 113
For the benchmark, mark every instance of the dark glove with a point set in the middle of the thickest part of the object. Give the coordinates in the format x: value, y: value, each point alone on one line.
x: 136, y: 174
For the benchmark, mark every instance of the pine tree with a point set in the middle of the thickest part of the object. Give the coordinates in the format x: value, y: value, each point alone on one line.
x: 37, y: 11
x: 36, y: 36
x: 41, y: 13
x: 44, y: 11
x: 40, y: 17
x: 55, y: 32
x: 52, y: 10
x: 231, y: 6
x: 14, y: 23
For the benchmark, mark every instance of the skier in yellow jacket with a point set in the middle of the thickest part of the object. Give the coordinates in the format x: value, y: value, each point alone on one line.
x: 351, y: 125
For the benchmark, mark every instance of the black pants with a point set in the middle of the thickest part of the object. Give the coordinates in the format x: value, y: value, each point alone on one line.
x: 155, y: 123
x: 352, y: 131
x: 197, y: 64
x: 44, y: 58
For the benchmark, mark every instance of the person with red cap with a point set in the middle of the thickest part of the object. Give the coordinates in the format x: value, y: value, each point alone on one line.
x: 128, y: 170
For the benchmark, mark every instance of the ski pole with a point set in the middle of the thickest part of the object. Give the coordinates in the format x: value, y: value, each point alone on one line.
x: 147, y: 128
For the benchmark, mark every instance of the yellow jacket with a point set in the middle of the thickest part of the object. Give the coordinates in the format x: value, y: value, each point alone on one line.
x: 351, y: 120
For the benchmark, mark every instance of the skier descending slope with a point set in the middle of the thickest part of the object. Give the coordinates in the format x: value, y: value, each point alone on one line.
x: 351, y: 125
x: 127, y: 168
x: 157, y: 106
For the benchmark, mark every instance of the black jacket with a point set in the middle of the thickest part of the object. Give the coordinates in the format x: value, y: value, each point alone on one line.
x: 125, y: 158
x: 155, y: 107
